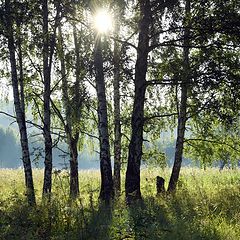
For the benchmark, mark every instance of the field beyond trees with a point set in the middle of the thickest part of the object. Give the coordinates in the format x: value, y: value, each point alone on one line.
x: 206, y: 206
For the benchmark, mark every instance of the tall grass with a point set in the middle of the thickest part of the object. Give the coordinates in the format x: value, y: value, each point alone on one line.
x: 205, y: 206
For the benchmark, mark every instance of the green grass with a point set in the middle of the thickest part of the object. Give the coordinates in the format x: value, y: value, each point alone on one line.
x: 206, y: 206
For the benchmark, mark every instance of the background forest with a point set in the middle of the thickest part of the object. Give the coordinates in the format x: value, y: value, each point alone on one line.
x: 135, y: 83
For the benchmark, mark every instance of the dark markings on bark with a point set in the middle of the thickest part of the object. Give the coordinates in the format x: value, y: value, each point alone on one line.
x: 117, y: 124
x: 49, y: 43
x: 20, y: 114
x: 47, y: 184
x: 106, y: 192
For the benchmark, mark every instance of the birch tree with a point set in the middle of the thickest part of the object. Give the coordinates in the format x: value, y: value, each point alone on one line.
x: 182, y: 115
x: 106, y: 191
x: 19, y: 102
x: 49, y: 39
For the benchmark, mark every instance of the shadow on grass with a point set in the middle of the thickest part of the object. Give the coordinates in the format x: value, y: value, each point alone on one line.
x: 99, y: 222
x: 170, y: 217
x: 148, y: 219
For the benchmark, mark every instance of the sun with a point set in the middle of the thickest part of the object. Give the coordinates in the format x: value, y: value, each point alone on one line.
x: 103, y: 21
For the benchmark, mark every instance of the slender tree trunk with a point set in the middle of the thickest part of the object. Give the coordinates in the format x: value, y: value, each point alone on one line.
x: 49, y: 43
x: 132, y: 183
x: 74, y: 182
x: 182, y: 118
x: 47, y: 184
x: 21, y: 77
x: 68, y: 126
x: 65, y: 95
x: 117, y: 123
x: 20, y: 115
x: 106, y: 192
x: 72, y: 115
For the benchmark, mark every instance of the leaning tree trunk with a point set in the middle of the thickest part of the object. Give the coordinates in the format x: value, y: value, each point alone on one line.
x: 132, y: 183
x: 182, y: 118
x: 106, y: 192
x: 47, y: 184
x: 20, y: 115
x: 117, y: 123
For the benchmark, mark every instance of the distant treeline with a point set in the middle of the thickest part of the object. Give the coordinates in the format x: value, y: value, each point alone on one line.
x: 10, y: 150
x: 10, y: 153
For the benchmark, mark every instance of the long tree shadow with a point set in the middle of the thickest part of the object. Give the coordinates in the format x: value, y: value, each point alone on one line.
x: 191, y: 217
x: 170, y: 217
x: 99, y: 222
x: 148, y: 219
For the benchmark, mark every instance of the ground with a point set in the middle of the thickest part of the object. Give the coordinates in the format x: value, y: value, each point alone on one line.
x: 205, y: 206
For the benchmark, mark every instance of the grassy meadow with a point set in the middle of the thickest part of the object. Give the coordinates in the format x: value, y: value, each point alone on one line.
x: 206, y: 206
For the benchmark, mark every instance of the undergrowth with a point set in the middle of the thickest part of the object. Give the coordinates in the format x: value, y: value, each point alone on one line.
x: 205, y: 206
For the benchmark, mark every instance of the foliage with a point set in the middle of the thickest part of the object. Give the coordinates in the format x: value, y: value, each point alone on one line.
x: 153, y: 156
x: 211, y: 141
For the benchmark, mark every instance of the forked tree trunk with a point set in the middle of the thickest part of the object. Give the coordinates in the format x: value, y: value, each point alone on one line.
x: 47, y: 184
x: 117, y: 123
x: 20, y: 114
x: 132, y: 184
x: 182, y: 118
x: 106, y: 192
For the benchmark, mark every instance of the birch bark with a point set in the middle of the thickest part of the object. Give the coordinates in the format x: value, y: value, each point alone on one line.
x: 106, y: 191
x: 19, y: 110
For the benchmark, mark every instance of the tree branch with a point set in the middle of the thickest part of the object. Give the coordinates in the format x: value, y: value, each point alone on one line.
x: 123, y: 134
x: 124, y: 42
x: 27, y: 121
x: 211, y: 141
x: 38, y: 110
x: 57, y: 111
x: 89, y: 134
x: 160, y: 116
x: 162, y: 82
